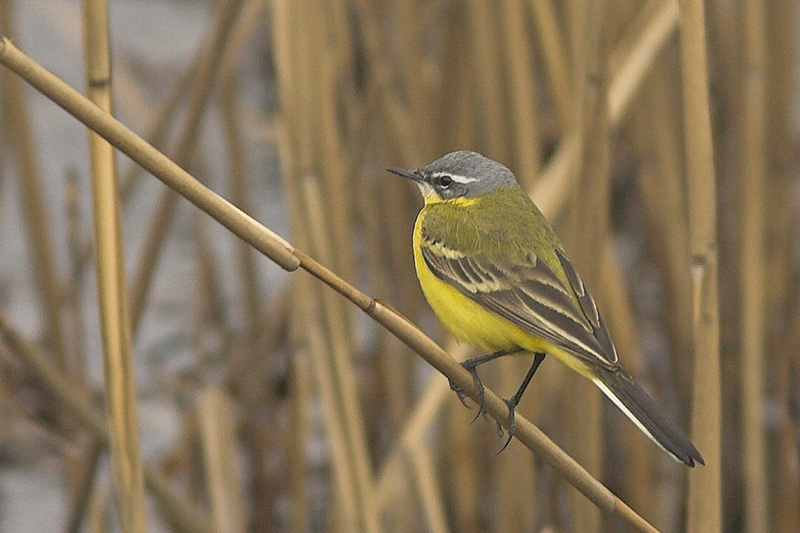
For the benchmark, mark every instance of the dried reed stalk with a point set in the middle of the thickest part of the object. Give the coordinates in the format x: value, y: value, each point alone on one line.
x: 429, y: 490
x: 630, y: 62
x: 120, y: 382
x: 590, y: 222
x: 667, y: 205
x: 782, y: 358
x: 218, y: 435
x: 705, y: 491
x: 753, y: 179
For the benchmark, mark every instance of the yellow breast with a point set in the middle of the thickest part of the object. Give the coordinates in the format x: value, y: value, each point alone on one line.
x: 465, y: 319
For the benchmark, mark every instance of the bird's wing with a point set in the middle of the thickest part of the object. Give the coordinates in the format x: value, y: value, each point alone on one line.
x: 532, y: 296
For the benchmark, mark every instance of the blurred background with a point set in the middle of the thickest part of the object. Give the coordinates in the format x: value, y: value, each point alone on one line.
x: 268, y: 403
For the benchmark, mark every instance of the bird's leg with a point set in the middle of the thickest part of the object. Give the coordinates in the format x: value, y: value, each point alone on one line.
x: 471, y: 365
x: 513, y: 401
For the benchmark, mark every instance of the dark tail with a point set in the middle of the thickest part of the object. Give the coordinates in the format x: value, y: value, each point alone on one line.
x: 620, y: 387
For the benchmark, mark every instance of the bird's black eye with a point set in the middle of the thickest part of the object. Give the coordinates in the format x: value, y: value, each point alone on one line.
x: 446, y: 181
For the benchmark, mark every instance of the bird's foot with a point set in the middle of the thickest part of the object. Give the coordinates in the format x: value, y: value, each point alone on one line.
x: 512, y: 408
x: 478, y: 385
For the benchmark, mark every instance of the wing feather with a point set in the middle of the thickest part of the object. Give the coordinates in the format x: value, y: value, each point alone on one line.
x: 530, y: 295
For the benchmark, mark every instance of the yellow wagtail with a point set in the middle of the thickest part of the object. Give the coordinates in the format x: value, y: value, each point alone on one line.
x: 497, y: 277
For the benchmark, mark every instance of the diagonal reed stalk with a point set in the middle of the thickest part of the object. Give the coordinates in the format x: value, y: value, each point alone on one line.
x: 290, y: 258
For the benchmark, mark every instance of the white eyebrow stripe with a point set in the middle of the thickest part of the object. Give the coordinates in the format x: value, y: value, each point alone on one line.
x: 456, y: 177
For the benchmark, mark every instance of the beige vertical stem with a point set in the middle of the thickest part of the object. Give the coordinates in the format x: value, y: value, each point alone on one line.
x: 218, y: 435
x: 591, y: 222
x: 782, y: 356
x: 705, y: 505
x: 112, y: 291
x: 753, y: 267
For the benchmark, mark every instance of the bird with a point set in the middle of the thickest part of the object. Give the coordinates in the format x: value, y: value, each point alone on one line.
x: 497, y: 277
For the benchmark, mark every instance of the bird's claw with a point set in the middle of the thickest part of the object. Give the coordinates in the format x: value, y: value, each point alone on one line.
x: 512, y: 407
x: 462, y: 397
x: 478, y: 385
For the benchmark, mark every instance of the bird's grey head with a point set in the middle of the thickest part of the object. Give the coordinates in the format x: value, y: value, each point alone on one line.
x: 461, y: 174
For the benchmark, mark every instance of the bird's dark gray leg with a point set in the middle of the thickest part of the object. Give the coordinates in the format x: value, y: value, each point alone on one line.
x: 513, y: 401
x: 471, y: 365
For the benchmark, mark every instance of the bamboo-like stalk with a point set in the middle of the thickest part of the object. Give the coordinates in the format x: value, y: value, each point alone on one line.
x: 157, y: 132
x: 34, y: 207
x: 291, y: 258
x: 391, y: 354
x: 120, y: 382
x: 753, y: 180
x: 209, y: 301
x: 782, y: 353
x: 298, y: 94
x: 465, y: 474
x: 655, y: 133
x: 218, y: 436
x: 590, y: 209
x: 414, y: 436
x: 705, y: 491
x: 424, y: 415
x: 420, y: 106
x: 75, y: 399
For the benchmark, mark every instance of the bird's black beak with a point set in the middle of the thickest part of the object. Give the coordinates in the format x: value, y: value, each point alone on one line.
x: 406, y: 173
